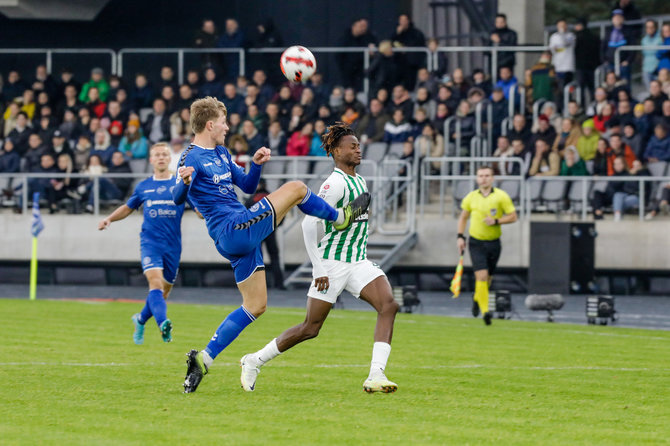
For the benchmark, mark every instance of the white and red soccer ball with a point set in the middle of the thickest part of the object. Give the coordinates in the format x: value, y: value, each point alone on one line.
x: 297, y: 63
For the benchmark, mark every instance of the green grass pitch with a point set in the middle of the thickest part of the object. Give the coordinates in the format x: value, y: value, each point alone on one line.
x: 71, y: 375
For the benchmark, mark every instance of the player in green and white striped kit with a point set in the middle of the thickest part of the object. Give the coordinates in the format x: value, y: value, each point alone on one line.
x: 339, y: 262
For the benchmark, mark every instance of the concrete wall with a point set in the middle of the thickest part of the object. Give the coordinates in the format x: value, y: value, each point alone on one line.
x: 526, y: 17
x: 626, y: 245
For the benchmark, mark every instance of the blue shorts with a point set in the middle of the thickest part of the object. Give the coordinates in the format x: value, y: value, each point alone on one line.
x: 240, y: 240
x: 158, y: 257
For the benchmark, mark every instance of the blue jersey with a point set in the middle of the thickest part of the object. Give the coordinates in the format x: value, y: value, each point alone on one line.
x: 211, y: 189
x: 162, y: 217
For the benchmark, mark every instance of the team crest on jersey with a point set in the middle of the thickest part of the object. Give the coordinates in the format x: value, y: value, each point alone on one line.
x: 217, y: 162
x: 326, y: 186
x: 146, y: 261
x: 216, y: 179
x: 171, y: 189
x: 494, y: 212
x: 254, y: 208
x: 161, y: 189
x: 153, y: 213
x: 223, y: 190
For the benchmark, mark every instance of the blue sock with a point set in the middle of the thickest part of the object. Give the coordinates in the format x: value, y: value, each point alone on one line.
x: 317, y: 207
x: 229, y: 329
x: 145, y: 314
x: 157, y: 305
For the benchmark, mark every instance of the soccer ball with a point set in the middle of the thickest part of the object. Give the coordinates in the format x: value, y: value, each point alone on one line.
x: 297, y: 63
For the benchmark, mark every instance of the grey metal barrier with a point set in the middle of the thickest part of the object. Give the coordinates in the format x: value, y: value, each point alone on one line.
x: 586, y: 189
x: 444, y: 177
x: 364, y: 50
x: 180, y: 52
x: 602, y: 25
x: 567, y: 92
x: 493, y: 50
x: 636, y: 48
x: 49, y: 53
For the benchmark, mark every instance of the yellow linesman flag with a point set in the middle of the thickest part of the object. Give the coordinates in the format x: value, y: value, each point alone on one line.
x: 455, y: 287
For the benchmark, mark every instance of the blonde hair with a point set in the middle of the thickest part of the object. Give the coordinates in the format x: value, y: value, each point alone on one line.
x: 159, y: 145
x: 204, y: 110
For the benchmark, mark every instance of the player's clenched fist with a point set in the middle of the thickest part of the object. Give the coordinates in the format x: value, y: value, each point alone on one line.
x: 104, y: 224
x: 185, y: 174
x: 262, y: 155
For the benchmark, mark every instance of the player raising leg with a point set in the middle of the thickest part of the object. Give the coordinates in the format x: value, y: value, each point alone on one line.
x: 339, y: 262
x: 207, y: 175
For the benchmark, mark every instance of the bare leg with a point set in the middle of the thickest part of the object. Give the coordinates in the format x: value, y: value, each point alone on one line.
x: 287, y: 197
x: 155, y: 279
x: 378, y: 293
x: 317, y: 311
x: 254, y: 293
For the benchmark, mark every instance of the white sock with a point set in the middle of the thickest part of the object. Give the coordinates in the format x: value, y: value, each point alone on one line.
x: 268, y: 352
x: 207, y: 359
x: 380, y: 355
x: 340, y: 217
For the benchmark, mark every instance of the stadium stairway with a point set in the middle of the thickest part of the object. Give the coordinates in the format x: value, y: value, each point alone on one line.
x: 384, y: 250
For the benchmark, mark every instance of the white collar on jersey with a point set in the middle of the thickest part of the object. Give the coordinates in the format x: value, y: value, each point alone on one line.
x: 205, y: 148
x: 164, y: 179
x: 344, y: 173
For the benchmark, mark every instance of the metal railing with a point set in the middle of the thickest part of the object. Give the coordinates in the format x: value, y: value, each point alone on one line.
x: 639, y: 48
x: 364, y: 51
x: 492, y: 50
x: 49, y: 53
x: 444, y: 177
x: 602, y: 25
x: 180, y: 52
x: 587, y: 189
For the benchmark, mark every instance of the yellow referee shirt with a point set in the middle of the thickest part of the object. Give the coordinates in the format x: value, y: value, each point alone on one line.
x: 495, y: 204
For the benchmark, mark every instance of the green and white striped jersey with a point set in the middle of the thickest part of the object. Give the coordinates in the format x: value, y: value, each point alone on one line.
x: 348, y: 245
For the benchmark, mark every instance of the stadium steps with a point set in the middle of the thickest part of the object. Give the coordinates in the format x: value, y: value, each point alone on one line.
x: 385, y: 251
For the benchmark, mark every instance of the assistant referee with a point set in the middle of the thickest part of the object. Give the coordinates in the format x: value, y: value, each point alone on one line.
x: 489, y: 207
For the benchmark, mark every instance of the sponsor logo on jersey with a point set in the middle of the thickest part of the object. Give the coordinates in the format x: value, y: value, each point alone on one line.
x: 171, y: 189
x: 223, y: 190
x: 254, y: 208
x: 326, y: 186
x: 224, y: 176
x: 166, y: 212
x: 161, y: 189
x: 146, y: 261
x: 157, y: 202
x: 217, y: 162
x: 153, y: 213
x: 216, y: 178
x: 206, y: 164
x: 149, y: 190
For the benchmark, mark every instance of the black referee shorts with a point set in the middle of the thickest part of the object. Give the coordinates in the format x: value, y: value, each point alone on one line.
x: 484, y: 254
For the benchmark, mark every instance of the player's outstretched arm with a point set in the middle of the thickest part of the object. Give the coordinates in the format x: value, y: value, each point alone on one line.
x: 185, y: 176
x: 119, y: 214
x: 310, y: 234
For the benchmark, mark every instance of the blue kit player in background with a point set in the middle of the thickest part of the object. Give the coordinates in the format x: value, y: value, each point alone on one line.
x: 160, y: 239
x: 207, y: 175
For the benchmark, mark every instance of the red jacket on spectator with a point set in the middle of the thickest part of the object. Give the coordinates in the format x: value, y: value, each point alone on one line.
x: 600, y: 121
x: 628, y: 155
x: 298, y: 144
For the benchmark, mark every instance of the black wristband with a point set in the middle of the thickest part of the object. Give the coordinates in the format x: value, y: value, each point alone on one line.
x: 460, y: 236
x: 497, y: 222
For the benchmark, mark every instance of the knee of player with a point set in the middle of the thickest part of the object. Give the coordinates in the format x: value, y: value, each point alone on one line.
x: 257, y: 309
x: 390, y: 307
x: 297, y: 187
x: 310, y: 331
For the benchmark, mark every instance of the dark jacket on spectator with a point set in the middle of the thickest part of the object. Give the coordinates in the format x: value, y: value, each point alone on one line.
x: 615, y: 39
x: 10, y: 162
x: 165, y: 127
x: 20, y: 139
x: 384, y: 72
x: 141, y: 97
x: 658, y: 148
x: 31, y: 159
x: 397, y: 132
x: 587, y: 50
x: 122, y: 183
x: 508, y: 37
x: 277, y: 145
x: 372, y: 126
x: 11, y: 91
x: 524, y: 135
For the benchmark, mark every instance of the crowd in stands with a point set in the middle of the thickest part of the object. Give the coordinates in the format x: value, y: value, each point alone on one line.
x: 107, y: 123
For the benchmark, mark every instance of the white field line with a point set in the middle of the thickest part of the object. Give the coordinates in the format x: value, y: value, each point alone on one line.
x: 353, y: 366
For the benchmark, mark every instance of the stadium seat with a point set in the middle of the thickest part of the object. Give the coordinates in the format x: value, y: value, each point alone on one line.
x: 375, y: 151
x: 138, y: 165
x: 535, y: 192
x: 144, y: 114
x: 575, y: 195
x: 554, y: 192
x: 395, y: 150
x: 658, y: 169
x: 274, y: 167
x: 460, y: 188
x: 512, y: 187
x: 323, y: 169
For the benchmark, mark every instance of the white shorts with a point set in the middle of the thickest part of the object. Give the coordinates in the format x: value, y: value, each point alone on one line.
x: 345, y: 276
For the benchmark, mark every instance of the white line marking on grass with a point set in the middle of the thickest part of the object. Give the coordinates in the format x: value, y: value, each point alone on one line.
x: 71, y: 364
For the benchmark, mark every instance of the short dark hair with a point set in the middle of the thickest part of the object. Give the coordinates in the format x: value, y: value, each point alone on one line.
x: 486, y: 166
x: 500, y: 14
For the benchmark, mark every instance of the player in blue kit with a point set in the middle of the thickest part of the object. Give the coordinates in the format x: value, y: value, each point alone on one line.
x: 160, y: 239
x: 207, y: 175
